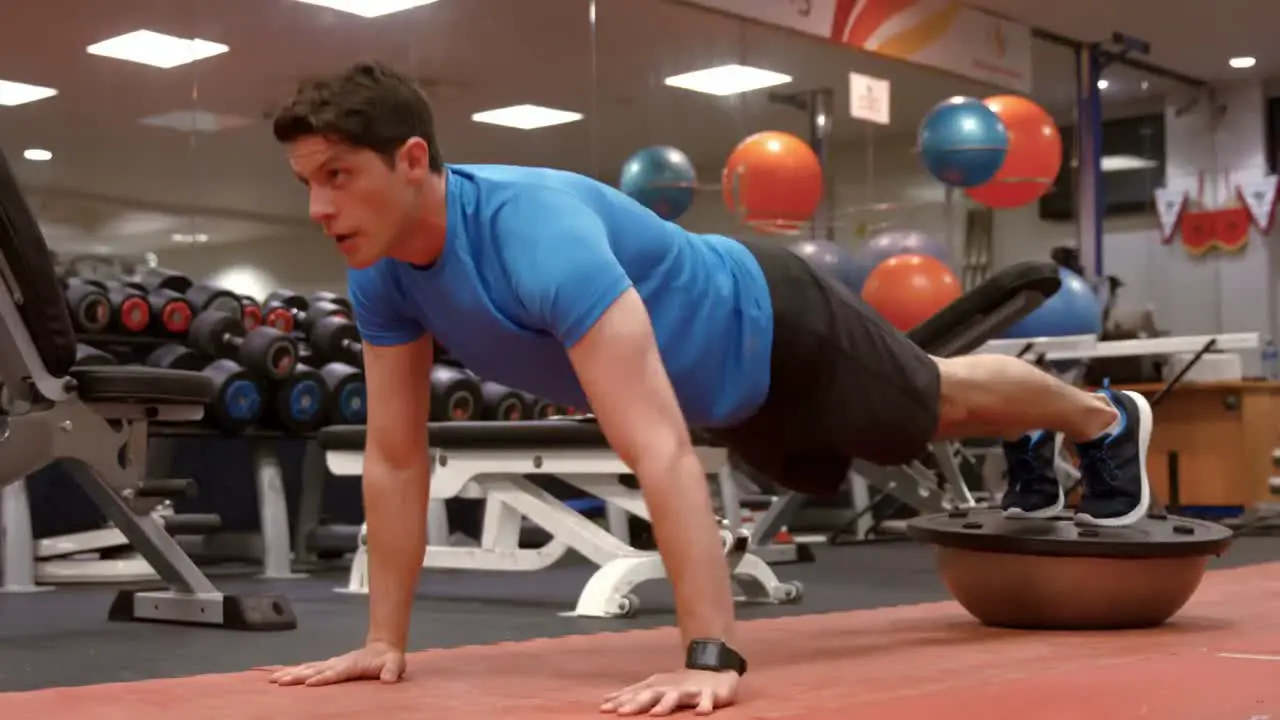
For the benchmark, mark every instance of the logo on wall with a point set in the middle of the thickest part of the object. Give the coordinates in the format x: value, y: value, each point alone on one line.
x: 1226, y: 227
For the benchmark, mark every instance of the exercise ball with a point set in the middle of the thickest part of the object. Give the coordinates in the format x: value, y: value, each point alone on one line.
x: 772, y: 178
x: 909, y: 289
x: 827, y: 257
x: 1074, y: 310
x: 962, y: 142
x: 894, y: 241
x: 1034, y: 157
x: 661, y: 178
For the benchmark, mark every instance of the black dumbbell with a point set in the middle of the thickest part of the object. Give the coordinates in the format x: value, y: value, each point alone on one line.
x: 455, y: 395
x: 347, y: 392
x: 336, y: 339
x: 237, y: 402
x: 252, y: 312
x: 130, y: 311
x: 211, y: 298
x: 539, y: 409
x: 502, y: 403
x: 263, y: 350
x: 325, y: 296
x: 298, y: 403
x: 171, y: 312
x: 287, y: 298
x: 160, y: 278
x: 89, y: 306
x: 89, y: 356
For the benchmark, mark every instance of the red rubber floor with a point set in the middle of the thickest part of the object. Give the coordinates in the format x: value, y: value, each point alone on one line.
x: 1219, y: 659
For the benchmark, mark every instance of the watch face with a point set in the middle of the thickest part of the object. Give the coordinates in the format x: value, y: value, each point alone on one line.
x: 705, y: 654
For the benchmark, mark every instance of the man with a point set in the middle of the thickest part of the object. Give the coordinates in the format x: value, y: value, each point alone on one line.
x: 564, y: 287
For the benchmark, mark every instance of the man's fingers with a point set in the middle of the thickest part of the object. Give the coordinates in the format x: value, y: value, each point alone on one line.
x: 668, y: 703
x: 640, y: 702
x: 390, y: 673
x: 331, y: 675
x: 706, y: 703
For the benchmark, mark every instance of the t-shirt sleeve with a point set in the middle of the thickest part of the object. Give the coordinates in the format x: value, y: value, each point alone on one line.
x: 557, y: 255
x: 379, y: 308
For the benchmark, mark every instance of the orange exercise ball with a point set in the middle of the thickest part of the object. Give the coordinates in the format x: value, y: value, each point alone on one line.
x: 772, y: 178
x: 1034, y: 158
x: 910, y: 288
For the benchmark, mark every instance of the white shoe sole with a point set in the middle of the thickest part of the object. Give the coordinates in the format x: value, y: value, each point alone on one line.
x: 1144, y: 499
x: 1042, y: 513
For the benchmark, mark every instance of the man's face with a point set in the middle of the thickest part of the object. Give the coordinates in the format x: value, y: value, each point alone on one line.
x: 361, y: 202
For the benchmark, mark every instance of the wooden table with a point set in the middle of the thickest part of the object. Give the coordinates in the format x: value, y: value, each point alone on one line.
x: 1224, y: 434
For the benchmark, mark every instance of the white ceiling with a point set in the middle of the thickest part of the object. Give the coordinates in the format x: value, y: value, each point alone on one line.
x: 115, y: 184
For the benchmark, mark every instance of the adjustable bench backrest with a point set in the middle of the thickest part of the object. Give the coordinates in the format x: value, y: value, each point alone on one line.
x: 37, y: 341
x: 987, y: 310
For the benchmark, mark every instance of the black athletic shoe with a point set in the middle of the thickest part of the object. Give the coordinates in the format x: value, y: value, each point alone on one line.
x: 1113, y: 468
x: 1034, y: 491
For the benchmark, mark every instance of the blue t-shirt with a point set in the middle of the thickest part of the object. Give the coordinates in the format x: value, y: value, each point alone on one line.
x: 534, y: 256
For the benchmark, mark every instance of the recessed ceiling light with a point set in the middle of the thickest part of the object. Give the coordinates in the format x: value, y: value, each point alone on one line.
x: 196, y: 121
x: 526, y: 117
x: 369, y: 8
x: 156, y: 49
x: 189, y: 238
x: 1240, y: 63
x: 727, y: 80
x: 37, y: 155
x: 1104, y: 84
x: 16, y: 93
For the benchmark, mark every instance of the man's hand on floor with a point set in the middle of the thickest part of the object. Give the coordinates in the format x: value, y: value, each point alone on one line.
x: 663, y: 694
x: 375, y: 661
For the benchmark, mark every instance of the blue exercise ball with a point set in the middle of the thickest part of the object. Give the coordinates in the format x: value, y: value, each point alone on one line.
x: 1074, y: 310
x: 963, y: 142
x: 827, y: 257
x: 661, y: 178
x: 894, y: 241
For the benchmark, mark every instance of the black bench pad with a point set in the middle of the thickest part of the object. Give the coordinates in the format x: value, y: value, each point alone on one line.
x: 142, y: 385
x: 1039, y: 278
x: 485, y: 435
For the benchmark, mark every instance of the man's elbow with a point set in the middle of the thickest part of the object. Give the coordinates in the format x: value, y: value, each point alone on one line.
x: 661, y: 457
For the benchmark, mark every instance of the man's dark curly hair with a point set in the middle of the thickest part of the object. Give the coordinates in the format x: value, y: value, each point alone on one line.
x: 368, y: 105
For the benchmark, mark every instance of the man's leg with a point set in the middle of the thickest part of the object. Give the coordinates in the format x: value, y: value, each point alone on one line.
x: 1000, y: 396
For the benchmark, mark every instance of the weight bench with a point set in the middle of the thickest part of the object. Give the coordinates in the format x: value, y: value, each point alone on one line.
x: 492, y: 461
x: 960, y: 328
x: 93, y: 422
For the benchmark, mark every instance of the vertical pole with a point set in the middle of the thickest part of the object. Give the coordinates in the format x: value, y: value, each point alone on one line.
x: 1090, y: 202
x: 820, y: 102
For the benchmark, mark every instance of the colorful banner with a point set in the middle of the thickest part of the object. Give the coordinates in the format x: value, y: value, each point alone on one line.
x: 943, y: 34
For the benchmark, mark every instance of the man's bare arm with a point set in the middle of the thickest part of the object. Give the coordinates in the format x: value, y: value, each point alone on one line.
x: 396, y: 482
x: 618, y: 364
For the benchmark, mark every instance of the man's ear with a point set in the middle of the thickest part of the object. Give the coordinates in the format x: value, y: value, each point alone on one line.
x: 415, y: 157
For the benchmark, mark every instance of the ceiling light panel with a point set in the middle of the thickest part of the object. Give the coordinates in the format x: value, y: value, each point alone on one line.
x: 16, y: 93
x: 369, y: 8
x: 526, y: 117
x: 728, y: 80
x: 156, y: 49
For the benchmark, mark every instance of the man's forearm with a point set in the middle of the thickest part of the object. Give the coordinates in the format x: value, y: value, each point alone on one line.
x: 688, y: 537
x: 395, y: 502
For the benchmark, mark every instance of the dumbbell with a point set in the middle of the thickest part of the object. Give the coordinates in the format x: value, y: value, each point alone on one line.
x: 237, y: 402
x: 502, y: 403
x: 336, y: 339
x: 280, y: 307
x: 130, y: 311
x: 455, y: 394
x: 89, y: 306
x: 89, y: 356
x: 297, y: 403
x: 162, y: 279
x: 211, y: 298
x: 327, y: 297
x: 171, y: 311
x: 539, y: 409
x: 252, y: 312
x: 306, y: 320
x: 347, y: 392
x: 263, y: 350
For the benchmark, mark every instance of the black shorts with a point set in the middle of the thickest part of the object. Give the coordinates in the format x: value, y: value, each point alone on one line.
x: 843, y: 384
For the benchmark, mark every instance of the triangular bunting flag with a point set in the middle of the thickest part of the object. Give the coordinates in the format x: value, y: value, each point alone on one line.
x: 1259, y: 196
x: 1169, y: 206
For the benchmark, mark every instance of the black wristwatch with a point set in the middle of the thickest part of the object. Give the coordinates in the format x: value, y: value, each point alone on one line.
x: 715, y: 655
